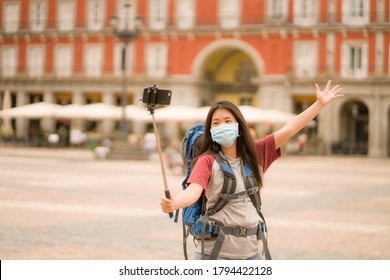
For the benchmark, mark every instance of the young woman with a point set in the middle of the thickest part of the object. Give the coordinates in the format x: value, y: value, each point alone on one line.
x: 227, y: 131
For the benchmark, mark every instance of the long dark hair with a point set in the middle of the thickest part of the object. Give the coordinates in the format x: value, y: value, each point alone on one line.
x: 246, y: 148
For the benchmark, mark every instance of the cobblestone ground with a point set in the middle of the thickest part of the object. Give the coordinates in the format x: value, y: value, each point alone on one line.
x: 65, y: 204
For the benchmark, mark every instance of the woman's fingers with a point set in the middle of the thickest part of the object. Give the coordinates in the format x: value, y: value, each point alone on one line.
x: 167, y: 205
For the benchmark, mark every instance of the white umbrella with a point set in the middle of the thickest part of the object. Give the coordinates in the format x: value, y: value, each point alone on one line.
x: 101, y: 111
x: 276, y: 116
x: 178, y: 113
x: 33, y: 110
x: 253, y: 114
x: 137, y: 113
x: 93, y: 111
x: 71, y: 111
x: 202, y: 112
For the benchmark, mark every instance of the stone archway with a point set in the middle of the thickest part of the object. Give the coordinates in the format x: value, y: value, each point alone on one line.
x: 226, y: 70
x: 354, y: 129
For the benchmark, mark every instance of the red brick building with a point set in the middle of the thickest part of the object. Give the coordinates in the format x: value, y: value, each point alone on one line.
x: 266, y: 53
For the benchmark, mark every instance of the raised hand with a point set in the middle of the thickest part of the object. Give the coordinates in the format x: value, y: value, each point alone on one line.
x: 328, y: 94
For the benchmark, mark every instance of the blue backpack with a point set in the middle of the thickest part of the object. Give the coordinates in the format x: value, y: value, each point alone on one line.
x: 189, y: 152
x: 195, y: 218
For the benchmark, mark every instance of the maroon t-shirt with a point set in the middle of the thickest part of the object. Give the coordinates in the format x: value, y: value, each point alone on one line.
x: 266, y: 152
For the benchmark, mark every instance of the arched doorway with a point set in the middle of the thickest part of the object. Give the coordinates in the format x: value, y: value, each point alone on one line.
x: 226, y: 70
x: 227, y: 75
x: 354, y: 129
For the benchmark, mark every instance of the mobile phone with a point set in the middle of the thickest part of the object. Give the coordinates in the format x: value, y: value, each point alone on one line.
x: 154, y: 95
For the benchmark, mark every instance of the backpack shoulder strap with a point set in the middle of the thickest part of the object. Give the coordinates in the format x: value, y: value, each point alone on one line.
x: 252, y: 188
x: 229, y: 183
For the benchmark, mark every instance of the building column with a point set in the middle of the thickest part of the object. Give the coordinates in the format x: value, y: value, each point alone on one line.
x: 329, y: 125
x: 21, y: 123
x: 275, y: 95
x: 384, y: 129
x: 78, y: 98
x: 48, y: 124
x: 375, y: 147
x: 139, y: 128
x: 76, y: 125
x: 108, y: 126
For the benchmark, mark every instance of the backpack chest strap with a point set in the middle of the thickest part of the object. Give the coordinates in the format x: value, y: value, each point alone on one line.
x: 248, y: 192
x: 229, y: 183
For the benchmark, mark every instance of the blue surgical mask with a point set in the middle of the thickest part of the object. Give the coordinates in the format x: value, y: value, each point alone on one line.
x: 225, y: 134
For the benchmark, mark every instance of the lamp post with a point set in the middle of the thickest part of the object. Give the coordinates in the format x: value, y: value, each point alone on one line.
x: 126, y: 29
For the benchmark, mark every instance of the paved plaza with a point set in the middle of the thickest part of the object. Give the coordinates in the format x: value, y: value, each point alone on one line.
x: 65, y: 204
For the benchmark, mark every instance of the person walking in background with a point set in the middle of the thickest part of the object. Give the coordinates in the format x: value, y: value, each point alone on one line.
x: 173, y: 159
x: 149, y: 144
x: 302, y: 140
x: 227, y: 133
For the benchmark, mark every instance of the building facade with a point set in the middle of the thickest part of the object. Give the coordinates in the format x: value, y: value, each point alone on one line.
x: 266, y: 53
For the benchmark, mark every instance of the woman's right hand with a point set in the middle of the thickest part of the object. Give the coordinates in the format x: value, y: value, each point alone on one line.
x: 167, y: 205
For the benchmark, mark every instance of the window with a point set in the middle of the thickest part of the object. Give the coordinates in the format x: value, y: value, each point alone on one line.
x: 93, y: 61
x: 277, y: 11
x: 185, y: 14
x: 156, y: 60
x: 95, y: 14
x: 63, y: 61
x: 37, y: 16
x: 66, y: 15
x: 158, y: 14
x: 356, y: 12
x: 354, y: 60
x: 35, y: 61
x: 118, y: 53
x: 11, y: 17
x: 127, y: 14
x: 305, y: 12
x: 9, y: 61
x: 229, y: 13
x: 305, y: 59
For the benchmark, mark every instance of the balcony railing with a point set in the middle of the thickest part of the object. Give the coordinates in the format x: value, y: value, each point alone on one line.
x: 251, y: 22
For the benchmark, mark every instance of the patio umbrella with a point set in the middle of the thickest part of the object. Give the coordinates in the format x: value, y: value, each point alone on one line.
x: 71, y: 111
x: 253, y: 114
x: 202, y: 112
x: 178, y: 113
x: 137, y: 113
x: 101, y: 111
x: 276, y: 116
x: 95, y: 111
x: 32, y: 111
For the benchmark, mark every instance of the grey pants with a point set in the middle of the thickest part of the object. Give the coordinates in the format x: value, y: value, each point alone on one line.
x: 198, y: 256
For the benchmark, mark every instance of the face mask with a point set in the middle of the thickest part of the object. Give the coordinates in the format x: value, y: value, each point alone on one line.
x: 225, y: 134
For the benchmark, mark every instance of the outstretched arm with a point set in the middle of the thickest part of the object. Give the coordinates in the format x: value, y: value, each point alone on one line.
x: 293, y: 126
x: 186, y: 198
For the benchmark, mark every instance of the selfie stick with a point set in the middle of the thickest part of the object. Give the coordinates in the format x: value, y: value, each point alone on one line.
x: 166, y: 189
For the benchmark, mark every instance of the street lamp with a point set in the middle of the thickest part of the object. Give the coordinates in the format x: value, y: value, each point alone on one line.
x: 126, y: 28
